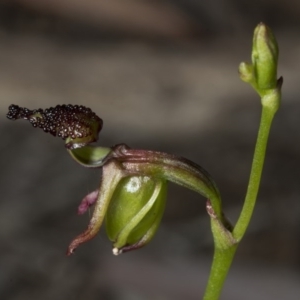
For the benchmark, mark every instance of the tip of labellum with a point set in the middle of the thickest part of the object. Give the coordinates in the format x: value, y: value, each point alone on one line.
x: 76, y: 123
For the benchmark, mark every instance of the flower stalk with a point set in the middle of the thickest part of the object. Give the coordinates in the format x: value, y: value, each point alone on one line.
x: 262, y: 76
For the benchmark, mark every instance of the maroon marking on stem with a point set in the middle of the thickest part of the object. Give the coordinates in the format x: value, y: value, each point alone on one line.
x: 210, y: 209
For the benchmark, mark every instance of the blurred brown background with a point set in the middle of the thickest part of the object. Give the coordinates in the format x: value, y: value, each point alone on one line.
x: 162, y: 75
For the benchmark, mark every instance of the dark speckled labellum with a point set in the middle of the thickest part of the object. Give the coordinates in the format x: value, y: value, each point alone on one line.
x: 76, y: 124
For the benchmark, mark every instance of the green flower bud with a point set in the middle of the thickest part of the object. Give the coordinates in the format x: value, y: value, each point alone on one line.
x: 135, y: 212
x: 264, y: 57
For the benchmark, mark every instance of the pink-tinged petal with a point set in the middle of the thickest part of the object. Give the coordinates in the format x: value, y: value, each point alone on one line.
x: 87, y: 201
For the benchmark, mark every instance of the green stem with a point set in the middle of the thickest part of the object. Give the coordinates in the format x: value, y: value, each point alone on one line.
x: 223, y: 255
x: 262, y: 75
x: 256, y: 171
x: 221, y: 263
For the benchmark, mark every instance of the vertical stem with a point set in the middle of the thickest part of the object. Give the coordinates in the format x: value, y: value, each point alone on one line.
x: 221, y: 263
x: 223, y: 256
x: 256, y: 171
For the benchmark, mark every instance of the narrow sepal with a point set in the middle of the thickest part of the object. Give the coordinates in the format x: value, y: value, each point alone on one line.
x: 112, y: 174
